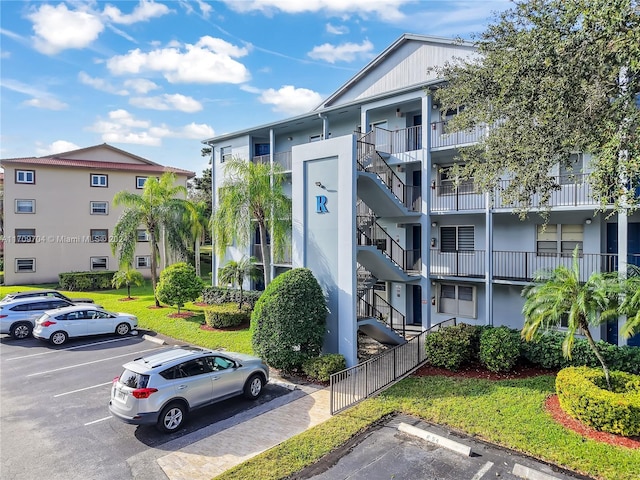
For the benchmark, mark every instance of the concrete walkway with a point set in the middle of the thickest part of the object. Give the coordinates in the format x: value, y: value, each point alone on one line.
x: 217, y: 453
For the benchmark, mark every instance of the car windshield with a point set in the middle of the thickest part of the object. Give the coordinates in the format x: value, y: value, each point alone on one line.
x: 133, y: 379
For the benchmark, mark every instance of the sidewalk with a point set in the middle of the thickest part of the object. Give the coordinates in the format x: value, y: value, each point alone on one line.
x: 217, y: 453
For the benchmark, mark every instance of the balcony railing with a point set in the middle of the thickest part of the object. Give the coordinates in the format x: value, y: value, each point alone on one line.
x: 469, y: 263
x: 279, y: 158
x: 440, y: 137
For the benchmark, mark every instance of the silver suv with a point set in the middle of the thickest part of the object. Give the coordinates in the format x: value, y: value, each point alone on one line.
x: 162, y: 388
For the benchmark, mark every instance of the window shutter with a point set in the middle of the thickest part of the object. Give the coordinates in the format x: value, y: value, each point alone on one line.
x: 466, y: 238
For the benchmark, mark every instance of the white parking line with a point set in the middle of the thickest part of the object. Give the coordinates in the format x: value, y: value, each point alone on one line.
x: 89, y: 363
x: 69, y: 348
x: 98, y: 421
x: 82, y: 389
x: 482, y: 471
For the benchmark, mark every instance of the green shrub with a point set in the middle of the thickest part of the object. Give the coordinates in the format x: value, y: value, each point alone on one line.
x: 220, y: 295
x: 321, y: 368
x: 226, y: 316
x: 582, y: 396
x: 545, y: 350
x: 178, y: 285
x: 499, y: 348
x: 288, y: 321
x: 451, y: 347
x: 85, y: 281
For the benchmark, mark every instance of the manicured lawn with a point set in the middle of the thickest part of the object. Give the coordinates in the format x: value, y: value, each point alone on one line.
x: 157, y: 320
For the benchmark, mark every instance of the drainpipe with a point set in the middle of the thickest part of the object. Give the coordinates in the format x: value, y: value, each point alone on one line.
x: 425, y: 218
x: 213, y: 204
x: 488, y: 260
x: 325, y: 126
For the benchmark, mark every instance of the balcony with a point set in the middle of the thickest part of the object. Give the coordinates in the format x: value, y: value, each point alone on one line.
x: 280, y: 158
x: 441, y: 138
x: 469, y: 263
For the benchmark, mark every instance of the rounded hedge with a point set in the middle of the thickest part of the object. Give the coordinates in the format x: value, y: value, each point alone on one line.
x: 226, y: 316
x: 288, y: 321
x: 582, y: 394
x: 499, y: 348
x: 321, y: 368
x: 451, y: 347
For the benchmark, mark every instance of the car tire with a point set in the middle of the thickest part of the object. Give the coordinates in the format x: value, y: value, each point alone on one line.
x: 123, y: 328
x: 253, y: 387
x: 21, y: 330
x: 58, y: 338
x: 172, y: 417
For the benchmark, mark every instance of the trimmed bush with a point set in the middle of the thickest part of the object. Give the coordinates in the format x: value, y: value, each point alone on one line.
x: 321, y: 368
x: 288, y: 321
x: 451, y: 347
x: 226, y: 316
x: 85, y: 281
x: 220, y: 295
x: 582, y: 395
x: 499, y: 348
x: 178, y: 285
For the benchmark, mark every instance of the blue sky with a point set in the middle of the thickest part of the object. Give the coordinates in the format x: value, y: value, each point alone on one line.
x: 157, y: 77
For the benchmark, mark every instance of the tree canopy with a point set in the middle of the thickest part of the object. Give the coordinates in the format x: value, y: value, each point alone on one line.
x: 552, y: 78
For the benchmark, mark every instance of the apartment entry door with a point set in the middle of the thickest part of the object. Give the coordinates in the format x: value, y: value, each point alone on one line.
x: 633, y: 243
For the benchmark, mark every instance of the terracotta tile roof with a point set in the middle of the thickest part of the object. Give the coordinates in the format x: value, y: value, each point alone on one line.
x: 96, y: 165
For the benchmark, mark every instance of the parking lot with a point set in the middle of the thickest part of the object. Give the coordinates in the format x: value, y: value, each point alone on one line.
x: 54, y: 418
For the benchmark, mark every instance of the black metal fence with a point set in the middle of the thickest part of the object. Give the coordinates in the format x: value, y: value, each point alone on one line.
x: 360, y: 382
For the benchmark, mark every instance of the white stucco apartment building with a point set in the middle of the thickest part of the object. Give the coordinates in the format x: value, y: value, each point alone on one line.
x: 384, y: 227
x: 59, y: 215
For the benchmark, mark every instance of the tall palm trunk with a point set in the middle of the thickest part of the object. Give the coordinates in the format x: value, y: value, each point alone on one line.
x: 592, y: 344
x: 196, y: 250
x: 154, y: 263
x: 266, y: 255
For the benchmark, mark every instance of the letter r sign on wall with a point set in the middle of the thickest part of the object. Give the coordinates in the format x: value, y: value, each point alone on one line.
x: 321, y: 204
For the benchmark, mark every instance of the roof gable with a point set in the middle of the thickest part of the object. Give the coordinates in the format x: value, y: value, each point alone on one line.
x: 102, y: 153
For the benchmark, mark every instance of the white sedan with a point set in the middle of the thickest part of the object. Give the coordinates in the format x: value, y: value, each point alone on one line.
x: 58, y: 325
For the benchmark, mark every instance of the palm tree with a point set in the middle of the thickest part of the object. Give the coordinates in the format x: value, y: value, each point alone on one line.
x: 631, y: 306
x: 235, y: 273
x: 127, y: 276
x: 156, y: 209
x: 252, y: 192
x: 559, y: 294
x: 200, y: 224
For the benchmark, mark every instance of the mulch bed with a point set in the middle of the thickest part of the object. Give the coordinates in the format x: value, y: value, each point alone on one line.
x: 181, y: 315
x: 126, y: 299
x: 552, y: 406
x: 209, y: 328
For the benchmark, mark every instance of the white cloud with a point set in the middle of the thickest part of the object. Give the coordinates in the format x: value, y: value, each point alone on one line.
x: 346, y: 52
x: 210, y: 60
x: 140, y: 85
x: 178, y: 102
x: 59, y: 146
x: 388, y: 10
x: 122, y: 127
x: 100, y: 84
x: 291, y: 100
x: 336, y: 29
x: 46, y: 103
x: 58, y: 28
x: 144, y: 11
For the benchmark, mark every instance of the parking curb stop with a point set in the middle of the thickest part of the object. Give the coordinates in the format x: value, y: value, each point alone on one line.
x: 159, y: 341
x: 437, y: 439
x: 531, y: 474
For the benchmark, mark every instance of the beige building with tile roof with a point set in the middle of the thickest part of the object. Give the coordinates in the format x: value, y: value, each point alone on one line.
x: 59, y: 215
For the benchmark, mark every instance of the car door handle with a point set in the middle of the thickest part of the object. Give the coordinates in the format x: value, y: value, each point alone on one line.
x: 182, y: 387
x: 214, y: 378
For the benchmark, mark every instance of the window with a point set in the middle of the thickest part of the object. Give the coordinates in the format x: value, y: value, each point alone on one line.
x: 450, y: 184
x: 99, y: 263
x: 559, y: 239
x: 99, y: 235
x: 99, y: 208
x: 571, y: 173
x: 142, y: 235
x: 140, y: 182
x: 99, y: 180
x: 25, y: 176
x: 261, y: 149
x: 143, y: 261
x: 25, y: 206
x: 457, y: 239
x: 457, y: 300
x: 315, y: 138
x: 225, y: 154
x: 25, y: 265
x: 25, y: 235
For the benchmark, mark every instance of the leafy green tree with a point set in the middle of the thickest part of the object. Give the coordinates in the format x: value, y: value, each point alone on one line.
x: 157, y: 209
x: 179, y: 284
x: 288, y: 321
x: 559, y: 295
x: 631, y: 306
x: 127, y: 276
x: 252, y: 195
x: 235, y: 272
x: 551, y: 78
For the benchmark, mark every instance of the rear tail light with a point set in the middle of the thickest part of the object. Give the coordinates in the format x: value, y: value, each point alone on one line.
x: 143, y: 392
x: 47, y: 323
x: 4, y: 316
x: 115, y: 380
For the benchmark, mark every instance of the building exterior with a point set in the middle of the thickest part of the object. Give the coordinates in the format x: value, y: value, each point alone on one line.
x: 388, y: 232
x: 59, y: 215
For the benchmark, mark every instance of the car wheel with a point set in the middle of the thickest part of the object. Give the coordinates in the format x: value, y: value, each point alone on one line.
x: 58, y: 338
x: 253, y: 387
x: 21, y: 330
x: 123, y: 329
x: 171, y: 418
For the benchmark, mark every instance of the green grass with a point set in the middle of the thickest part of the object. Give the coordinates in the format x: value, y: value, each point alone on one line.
x: 157, y: 320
